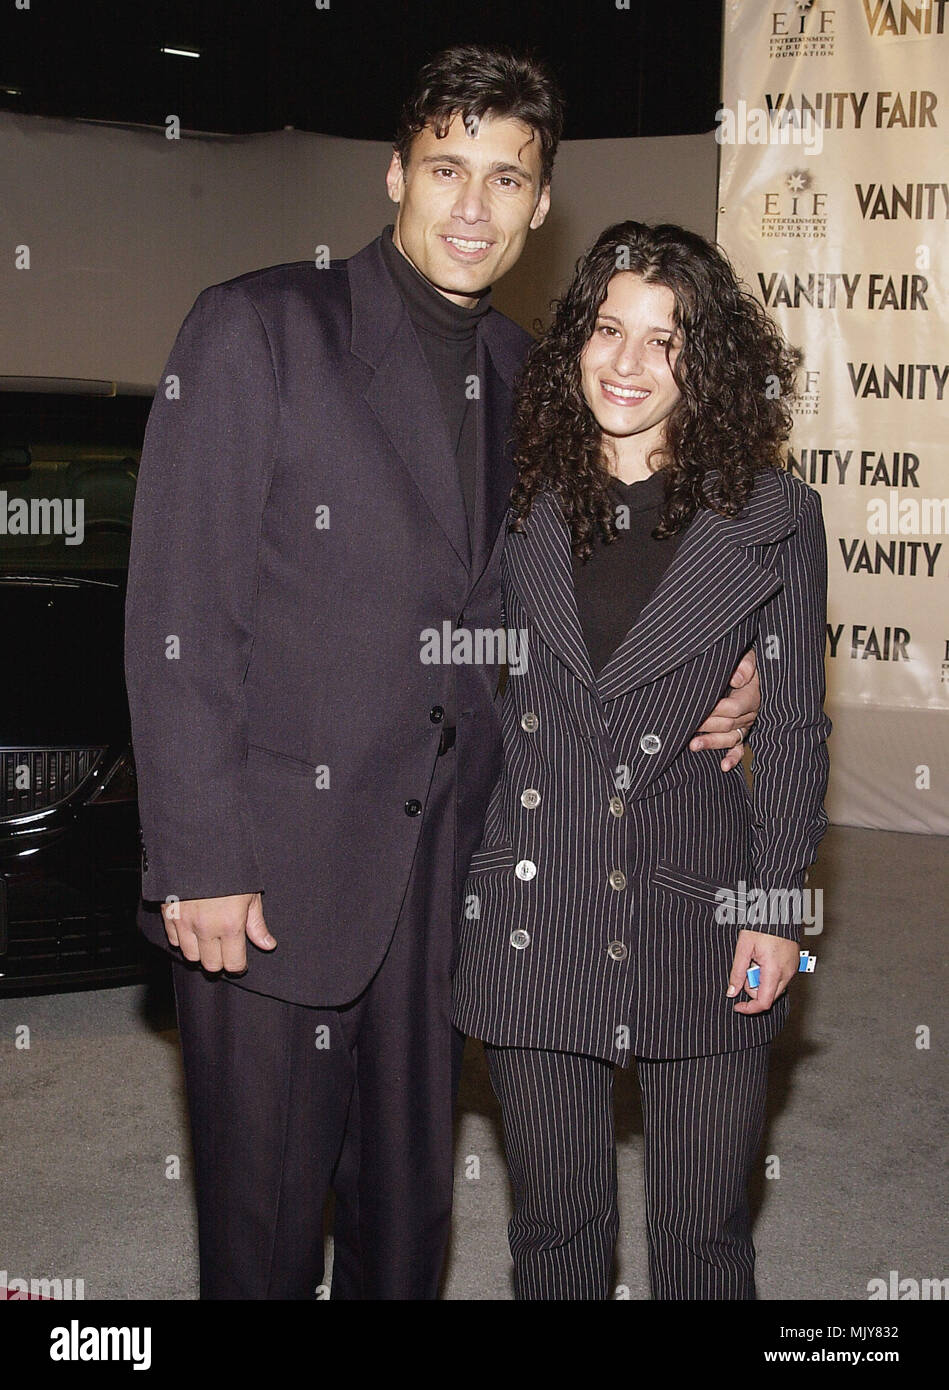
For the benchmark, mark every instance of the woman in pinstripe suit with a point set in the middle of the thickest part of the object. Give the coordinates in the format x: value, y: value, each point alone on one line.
x: 654, y: 536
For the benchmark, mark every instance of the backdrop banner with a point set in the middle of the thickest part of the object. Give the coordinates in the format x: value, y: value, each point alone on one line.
x: 833, y: 206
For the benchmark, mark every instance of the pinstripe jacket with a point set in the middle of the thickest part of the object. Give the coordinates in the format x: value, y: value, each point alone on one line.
x: 590, y: 921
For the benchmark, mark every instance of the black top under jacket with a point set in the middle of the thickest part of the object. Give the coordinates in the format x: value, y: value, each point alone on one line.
x: 447, y: 334
x: 614, y: 584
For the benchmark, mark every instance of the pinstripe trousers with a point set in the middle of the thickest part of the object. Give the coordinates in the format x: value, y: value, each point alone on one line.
x: 703, y: 1119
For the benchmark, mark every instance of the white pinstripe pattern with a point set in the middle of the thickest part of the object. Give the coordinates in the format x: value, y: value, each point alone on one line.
x: 703, y: 1119
x: 561, y: 1156
x: 686, y: 829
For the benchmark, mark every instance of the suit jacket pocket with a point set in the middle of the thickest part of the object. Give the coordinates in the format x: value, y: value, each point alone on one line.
x: 696, y: 886
x: 484, y: 860
x: 268, y: 760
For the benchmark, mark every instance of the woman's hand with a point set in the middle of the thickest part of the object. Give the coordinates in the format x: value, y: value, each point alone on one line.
x: 778, y: 958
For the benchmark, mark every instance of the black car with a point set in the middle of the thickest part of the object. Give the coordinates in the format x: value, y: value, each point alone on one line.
x: 69, y: 836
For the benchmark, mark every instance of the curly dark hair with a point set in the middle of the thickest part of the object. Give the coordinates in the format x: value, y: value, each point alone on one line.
x: 734, y: 371
x: 472, y: 80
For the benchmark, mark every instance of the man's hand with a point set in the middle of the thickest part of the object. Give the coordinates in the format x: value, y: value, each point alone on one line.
x: 215, y: 931
x: 779, y: 959
x: 734, y: 715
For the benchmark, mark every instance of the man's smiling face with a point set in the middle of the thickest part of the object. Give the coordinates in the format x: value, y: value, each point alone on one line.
x: 467, y: 201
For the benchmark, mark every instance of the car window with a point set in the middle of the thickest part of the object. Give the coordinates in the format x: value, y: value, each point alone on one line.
x: 67, y: 489
x: 66, y: 514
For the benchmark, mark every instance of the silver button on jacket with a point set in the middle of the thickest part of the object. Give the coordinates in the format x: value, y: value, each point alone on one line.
x: 520, y: 939
x: 635, y: 836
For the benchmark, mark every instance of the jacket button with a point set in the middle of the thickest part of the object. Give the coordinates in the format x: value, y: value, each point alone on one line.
x: 616, y: 951
x: 530, y: 798
x: 413, y: 808
x: 617, y: 806
x: 617, y: 879
x: 529, y: 722
x: 520, y: 939
x: 436, y: 714
x: 525, y: 868
x: 650, y: 743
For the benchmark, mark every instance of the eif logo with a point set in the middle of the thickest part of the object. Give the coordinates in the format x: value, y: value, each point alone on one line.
x: 804, y: 30
x: 798, y: 209
x: 807, y: 399
x: 804, y: 17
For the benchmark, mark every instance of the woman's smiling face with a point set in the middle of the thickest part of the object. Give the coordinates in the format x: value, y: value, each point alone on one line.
x: 626, y: 364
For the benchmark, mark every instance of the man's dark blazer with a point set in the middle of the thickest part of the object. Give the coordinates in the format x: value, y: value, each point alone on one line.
x: 299, y: 522
x: 589, y: 923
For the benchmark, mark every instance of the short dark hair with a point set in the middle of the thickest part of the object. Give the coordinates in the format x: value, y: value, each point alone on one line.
x: 474, y: 81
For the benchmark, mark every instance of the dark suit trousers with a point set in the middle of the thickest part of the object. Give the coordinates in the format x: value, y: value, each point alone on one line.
x: 702, y: 1119
x: 287, y: 1102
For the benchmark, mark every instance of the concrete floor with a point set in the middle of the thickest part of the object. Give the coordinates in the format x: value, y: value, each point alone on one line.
x: 96, y: 1168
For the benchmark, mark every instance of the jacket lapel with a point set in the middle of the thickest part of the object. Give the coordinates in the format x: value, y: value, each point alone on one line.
x: 402, y: 394
x: 495, y: 476
x: 711, y: 584
x: 539, y: 562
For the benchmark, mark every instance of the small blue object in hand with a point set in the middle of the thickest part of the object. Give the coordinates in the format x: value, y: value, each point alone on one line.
x: 806, y: 966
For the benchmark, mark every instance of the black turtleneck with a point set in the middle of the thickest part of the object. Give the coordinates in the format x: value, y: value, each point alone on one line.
x: 614, y: 585
x: 447, y: 334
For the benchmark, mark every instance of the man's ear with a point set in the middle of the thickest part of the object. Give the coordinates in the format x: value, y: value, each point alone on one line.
x: 542, y: 208
x: 395, y: 178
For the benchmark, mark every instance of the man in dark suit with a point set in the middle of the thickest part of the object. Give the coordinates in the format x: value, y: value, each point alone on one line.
x: 321, y: 490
